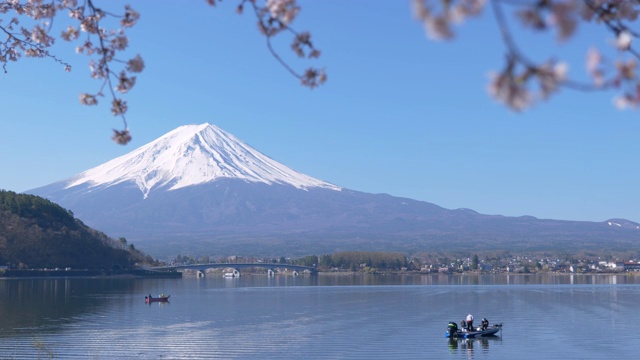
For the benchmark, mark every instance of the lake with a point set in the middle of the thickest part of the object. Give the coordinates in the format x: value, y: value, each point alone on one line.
x: 320, y: 317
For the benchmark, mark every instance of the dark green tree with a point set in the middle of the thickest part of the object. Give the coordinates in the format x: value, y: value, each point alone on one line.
x: 474, y: 262
x: 326, y: 261
x: 310, y: 261
x: 36, y: 233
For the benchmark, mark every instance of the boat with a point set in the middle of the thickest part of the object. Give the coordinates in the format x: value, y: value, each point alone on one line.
x: 454, y: 332
x: 150, y: 299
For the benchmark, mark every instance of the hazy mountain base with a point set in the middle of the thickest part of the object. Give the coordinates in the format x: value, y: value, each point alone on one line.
x: 230, y: 217
x: 296, y: 245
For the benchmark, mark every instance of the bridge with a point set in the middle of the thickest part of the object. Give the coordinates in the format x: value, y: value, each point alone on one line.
x: 272, y: 268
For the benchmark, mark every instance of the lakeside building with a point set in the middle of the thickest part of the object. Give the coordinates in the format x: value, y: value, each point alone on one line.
x: 628, y: 265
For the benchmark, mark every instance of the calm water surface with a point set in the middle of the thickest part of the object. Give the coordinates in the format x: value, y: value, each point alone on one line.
x: 319, y: 317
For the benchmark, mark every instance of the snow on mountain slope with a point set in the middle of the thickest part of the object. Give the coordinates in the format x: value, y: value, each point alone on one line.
x: 191, y: 155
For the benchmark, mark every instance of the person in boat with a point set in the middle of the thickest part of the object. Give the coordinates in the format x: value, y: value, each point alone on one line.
x: 470, y: 322
x: 452, y: 328
x: 485, y: 324
x: 463, y: 325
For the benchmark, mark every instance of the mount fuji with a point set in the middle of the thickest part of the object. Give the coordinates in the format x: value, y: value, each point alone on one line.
x: 191, y: 155
x: 201, y: 190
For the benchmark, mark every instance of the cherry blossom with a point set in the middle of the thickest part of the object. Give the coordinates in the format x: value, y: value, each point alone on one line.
x: 121, y: 137
x: 623, y: 40
x: 135, y: 65
x: 523, y: 82
x: 284, y: 11
x: 510, y: 88
x: 595, y: 68
x: 439, y: 17
x: 88, y: 99
x: 563, y: 15
x: 125, y: 83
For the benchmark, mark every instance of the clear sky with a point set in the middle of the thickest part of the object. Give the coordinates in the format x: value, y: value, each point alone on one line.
x: 400, y: 114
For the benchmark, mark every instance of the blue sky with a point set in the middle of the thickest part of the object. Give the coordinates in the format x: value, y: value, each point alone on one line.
x: 400, y: 114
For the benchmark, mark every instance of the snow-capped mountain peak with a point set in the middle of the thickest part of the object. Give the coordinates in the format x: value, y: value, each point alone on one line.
x: 191, y: 155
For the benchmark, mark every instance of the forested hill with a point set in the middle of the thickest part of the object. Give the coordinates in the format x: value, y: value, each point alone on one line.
x: 36, y: 233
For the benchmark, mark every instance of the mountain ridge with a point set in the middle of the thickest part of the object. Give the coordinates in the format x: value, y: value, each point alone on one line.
x: 198, y: 188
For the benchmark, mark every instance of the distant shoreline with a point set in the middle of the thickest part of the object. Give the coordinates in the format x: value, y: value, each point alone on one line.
x: 342, y: 273
x: 139, y: 273
x: 46, y: 274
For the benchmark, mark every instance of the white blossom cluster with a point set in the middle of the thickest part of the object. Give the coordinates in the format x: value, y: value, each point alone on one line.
x: 522, y: 82
x: 100, y: 43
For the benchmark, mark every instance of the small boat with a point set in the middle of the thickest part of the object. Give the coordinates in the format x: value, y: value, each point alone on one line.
x: 150, y: 299
x: 453, y: 331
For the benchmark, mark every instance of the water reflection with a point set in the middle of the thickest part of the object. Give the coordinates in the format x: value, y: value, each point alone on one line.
x: 316, y: 317
x: 27, y: 304
x: 328, y: 279
x: 471, y: 345
x: 342, y: 279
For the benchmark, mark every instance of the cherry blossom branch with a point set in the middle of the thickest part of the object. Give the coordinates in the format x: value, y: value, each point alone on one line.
x: 119, y: 106
x: 273, y: 18
x: 9, y: 48
x: 110, y: 42
x: 513, y: 85
x: 515, y: 55
x: 36, y: 41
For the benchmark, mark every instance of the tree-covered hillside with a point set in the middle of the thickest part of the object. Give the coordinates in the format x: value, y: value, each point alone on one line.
x: 36, y: 233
